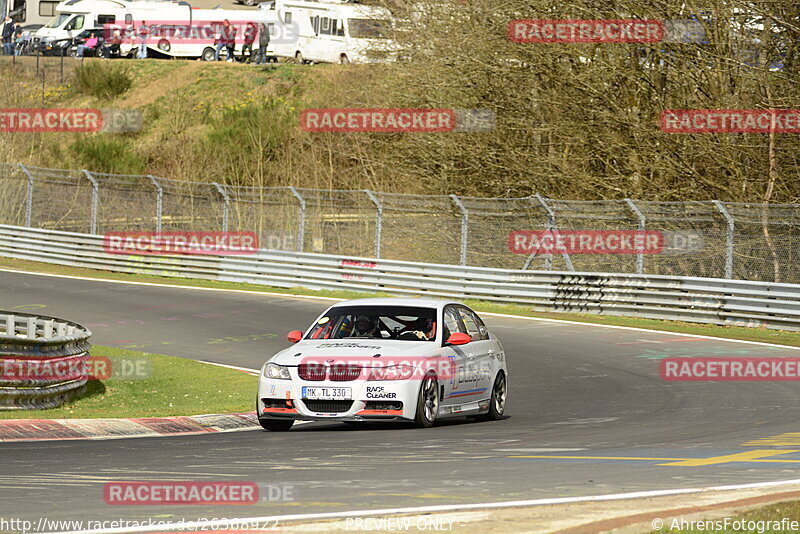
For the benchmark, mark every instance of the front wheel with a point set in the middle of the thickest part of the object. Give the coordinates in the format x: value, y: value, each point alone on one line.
x: 427, y: 402
x: 208, y: 54
x: 276, y: 425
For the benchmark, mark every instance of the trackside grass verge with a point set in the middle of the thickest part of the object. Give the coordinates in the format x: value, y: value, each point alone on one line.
x: 761, y: 520
x: 175, y: 386
x: 748, y: 334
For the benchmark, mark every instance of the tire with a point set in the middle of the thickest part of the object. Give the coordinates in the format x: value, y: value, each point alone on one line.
x: 497, y: 404
x: 298, y: 58
x: 276, y: 425
x: 250, y: 3
x: 344, y: 60
x: 427, y: 402
x: 208, y: 54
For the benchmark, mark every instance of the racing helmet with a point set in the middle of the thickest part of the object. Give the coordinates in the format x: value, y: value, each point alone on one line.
x: 365, y: 326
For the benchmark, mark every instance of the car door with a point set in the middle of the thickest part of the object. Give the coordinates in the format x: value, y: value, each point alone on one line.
x: 481, y: 359
x: 459, y: 357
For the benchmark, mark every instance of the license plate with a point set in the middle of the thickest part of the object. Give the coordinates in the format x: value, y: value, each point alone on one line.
x: 327, y: 393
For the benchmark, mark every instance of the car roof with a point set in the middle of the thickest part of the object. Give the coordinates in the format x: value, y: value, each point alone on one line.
x: 397, y: 301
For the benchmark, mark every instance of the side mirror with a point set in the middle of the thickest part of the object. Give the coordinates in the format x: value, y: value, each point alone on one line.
x: 458, y: 339
x: 294, y: 336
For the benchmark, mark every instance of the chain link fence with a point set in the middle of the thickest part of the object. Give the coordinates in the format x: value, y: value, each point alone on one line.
x: 705, y: 239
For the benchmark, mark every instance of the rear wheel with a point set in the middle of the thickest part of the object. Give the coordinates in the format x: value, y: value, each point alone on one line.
x: 427, y: 402
x: 298, y: 58
x: 344, y: 60
x: 276, y: 425
x: 497, y: 404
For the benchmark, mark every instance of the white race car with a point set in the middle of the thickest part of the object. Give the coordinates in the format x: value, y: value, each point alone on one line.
x: 395, y: 359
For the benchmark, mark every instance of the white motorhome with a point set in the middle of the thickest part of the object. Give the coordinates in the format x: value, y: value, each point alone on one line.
x: 175, y: 28
x: 195, y: 37
x: 75, y: 16
x: 334, y: 31
x: 29, y: 12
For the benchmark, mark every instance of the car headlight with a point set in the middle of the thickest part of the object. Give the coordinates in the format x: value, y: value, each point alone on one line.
x: 279, y: 372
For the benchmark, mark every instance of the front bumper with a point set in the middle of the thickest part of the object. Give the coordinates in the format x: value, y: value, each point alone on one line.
x: 370, y: 400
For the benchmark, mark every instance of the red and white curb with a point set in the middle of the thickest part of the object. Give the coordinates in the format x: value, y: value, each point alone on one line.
x: 142, y: 427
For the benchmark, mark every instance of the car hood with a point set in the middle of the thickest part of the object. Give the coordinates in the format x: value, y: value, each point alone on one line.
x: 342, y: 350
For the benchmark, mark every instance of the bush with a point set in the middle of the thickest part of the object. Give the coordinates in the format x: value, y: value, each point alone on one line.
x: 247, y: 136
x: 108, y: 154
x: 102, y: 80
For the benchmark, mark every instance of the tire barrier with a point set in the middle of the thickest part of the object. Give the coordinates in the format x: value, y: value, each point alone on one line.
x: 682, y: 298
x: 43, y: 361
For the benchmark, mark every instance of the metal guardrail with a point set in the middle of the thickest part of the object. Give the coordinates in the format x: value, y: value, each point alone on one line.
x: 37, y: 346
x: 700, y: 300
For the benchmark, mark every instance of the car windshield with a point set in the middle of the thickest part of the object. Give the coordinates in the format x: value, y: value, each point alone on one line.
x: 369, y: 28
x: 59, y: 20
x: 376, y: 322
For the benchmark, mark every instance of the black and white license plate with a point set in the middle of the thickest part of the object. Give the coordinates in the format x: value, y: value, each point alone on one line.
x: 323, y: 393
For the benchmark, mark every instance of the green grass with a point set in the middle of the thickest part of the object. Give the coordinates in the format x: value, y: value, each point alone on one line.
x: 773, y: 512
x: 175, y: 386
x: 748, y: 334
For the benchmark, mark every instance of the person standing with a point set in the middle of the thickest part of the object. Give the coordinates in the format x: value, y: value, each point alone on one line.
x: 249, y: 38
x: 263, y: 43
x: 143, y: 32
x: 8, y: 36
x: 221, y: 39
x: 231, y: 42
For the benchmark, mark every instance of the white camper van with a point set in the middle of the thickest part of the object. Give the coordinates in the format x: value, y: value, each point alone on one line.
x: 334, y: 31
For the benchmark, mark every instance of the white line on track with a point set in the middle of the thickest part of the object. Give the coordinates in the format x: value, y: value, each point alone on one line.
x: 236, y: 367
x: 637, y: 329
x: 225, y: 523
x: 311, y: 297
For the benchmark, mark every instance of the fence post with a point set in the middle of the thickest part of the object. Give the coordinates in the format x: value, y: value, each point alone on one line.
x: 378, y: 221
x: 301, y: 229
x: 729, y: 238
x: 551, y: 226
x: 226, y: 200
x: 464, y: 228
x: 642, y: 222
x: 93, y: 225
x: 159, y: 199
x: 29, y: 199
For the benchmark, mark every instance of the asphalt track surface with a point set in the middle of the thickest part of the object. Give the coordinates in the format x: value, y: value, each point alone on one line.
x: 589, y: 394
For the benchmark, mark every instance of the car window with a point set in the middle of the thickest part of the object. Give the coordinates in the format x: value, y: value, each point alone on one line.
x: 451, y: 322
x: 473, y: 324
x: 75, y: 24
x: 405, y: 323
